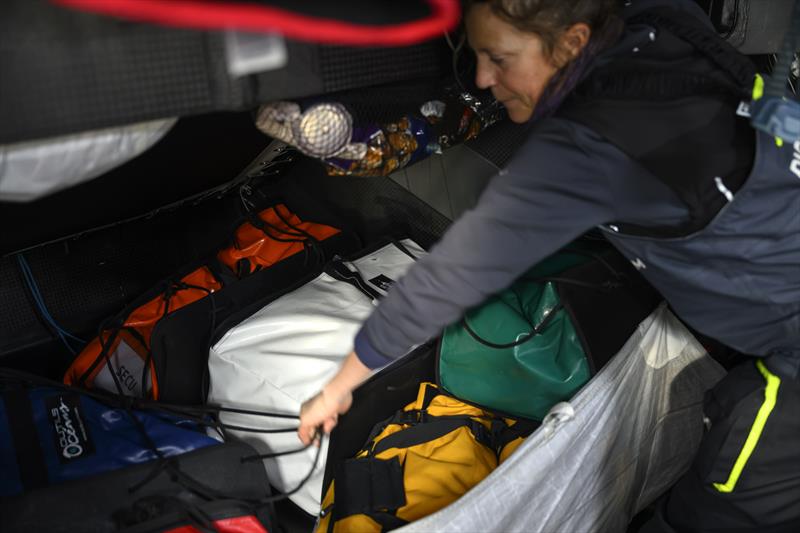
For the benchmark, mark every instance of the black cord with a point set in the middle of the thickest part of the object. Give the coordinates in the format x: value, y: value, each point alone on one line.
x: 403, y: 249
x: 104, y: 347
x: 527, y: 336
x: 169, y: 464
x: 257, y: 430
x: 272, y: 455
x: 286, y: 495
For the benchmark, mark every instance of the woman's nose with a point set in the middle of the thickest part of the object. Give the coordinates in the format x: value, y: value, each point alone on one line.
x: 484, y: 77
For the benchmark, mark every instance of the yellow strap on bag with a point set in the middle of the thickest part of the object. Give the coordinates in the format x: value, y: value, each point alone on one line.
x: 422, y: 459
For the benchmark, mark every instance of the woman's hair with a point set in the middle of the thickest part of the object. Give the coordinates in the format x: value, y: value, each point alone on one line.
x: 549, y: 18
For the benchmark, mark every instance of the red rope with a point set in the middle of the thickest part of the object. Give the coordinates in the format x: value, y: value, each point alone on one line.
x: 250, y: 17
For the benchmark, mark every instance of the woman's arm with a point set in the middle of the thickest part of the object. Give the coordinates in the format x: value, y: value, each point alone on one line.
x: 553, y: 191
x: 322, y: 411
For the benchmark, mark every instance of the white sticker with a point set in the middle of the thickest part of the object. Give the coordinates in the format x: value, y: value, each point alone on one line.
x: 251, y: 53
x: 128, y: 366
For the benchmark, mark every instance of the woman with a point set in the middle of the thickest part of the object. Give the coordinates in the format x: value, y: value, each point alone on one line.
x: 674, y: 183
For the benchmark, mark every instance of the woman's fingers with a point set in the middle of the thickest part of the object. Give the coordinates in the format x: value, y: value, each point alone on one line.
x: 306, y: 434
x: 322, y: 411
x: 316, y: 414
x: 329, y: 424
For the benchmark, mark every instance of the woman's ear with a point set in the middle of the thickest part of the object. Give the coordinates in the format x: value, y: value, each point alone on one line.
x: 573, y: 41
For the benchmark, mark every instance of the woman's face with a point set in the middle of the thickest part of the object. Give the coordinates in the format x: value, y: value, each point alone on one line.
x: 511, y: 63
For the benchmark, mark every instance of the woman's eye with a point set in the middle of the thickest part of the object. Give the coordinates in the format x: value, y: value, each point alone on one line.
x: 496, y: 60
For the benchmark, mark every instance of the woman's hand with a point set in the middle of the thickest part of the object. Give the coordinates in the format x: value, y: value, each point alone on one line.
x: 323, y: 410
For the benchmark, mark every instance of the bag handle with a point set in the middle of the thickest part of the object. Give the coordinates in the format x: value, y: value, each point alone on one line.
x: 537, y: 329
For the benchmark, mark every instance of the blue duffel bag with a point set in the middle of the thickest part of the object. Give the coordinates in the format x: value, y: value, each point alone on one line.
x: 50, y: 435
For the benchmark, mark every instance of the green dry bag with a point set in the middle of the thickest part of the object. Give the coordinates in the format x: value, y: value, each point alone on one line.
x: 518, y: 353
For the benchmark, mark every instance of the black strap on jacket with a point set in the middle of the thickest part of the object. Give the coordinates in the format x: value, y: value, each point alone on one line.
x: 627, y: 101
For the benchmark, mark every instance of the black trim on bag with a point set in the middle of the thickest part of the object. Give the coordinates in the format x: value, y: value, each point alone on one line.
x: 400, y: 246
x: 573, y: 317
x: 251, y: 308
x: 338, y: 270
x: 390, y: 239
x: 255, y: 220
x: 387, y: 521
x: 234, y: 319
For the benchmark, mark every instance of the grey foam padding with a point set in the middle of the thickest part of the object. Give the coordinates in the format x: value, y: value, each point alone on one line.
x: 65, y: 71
x: 451, y: 182
x: 374, y: 207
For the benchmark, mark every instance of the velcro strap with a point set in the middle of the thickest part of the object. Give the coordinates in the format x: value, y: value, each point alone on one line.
x: 368, y: 485
x: 507, y: 434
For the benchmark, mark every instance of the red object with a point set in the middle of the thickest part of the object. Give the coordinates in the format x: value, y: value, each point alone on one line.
x: 240, y: 524
x: 255, y: 249
x: 250, y: 17
x: 138, y: 327
x: 283, y: 235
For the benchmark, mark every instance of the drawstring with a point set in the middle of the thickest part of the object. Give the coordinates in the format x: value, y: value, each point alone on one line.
x: 170, y: 464
x: 104, y: 347
x: 548, y: 317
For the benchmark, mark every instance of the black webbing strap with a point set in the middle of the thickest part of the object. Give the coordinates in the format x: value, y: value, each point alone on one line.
x: 400, y: 246
x: 105, y: 346
x: 432, y: 429
x: 430, y: 394
x: 339, y: 270
x: 30, y: 457
x: 506, y: 434
x: 387, y: 521
x: 259, y: 223
x: 220, y: 272
x: 369, y: 486
x: 632, y: 79
x: 427, y: 427
x: 293, y: 227
x: 632, y: 84
x: 706, y: 41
